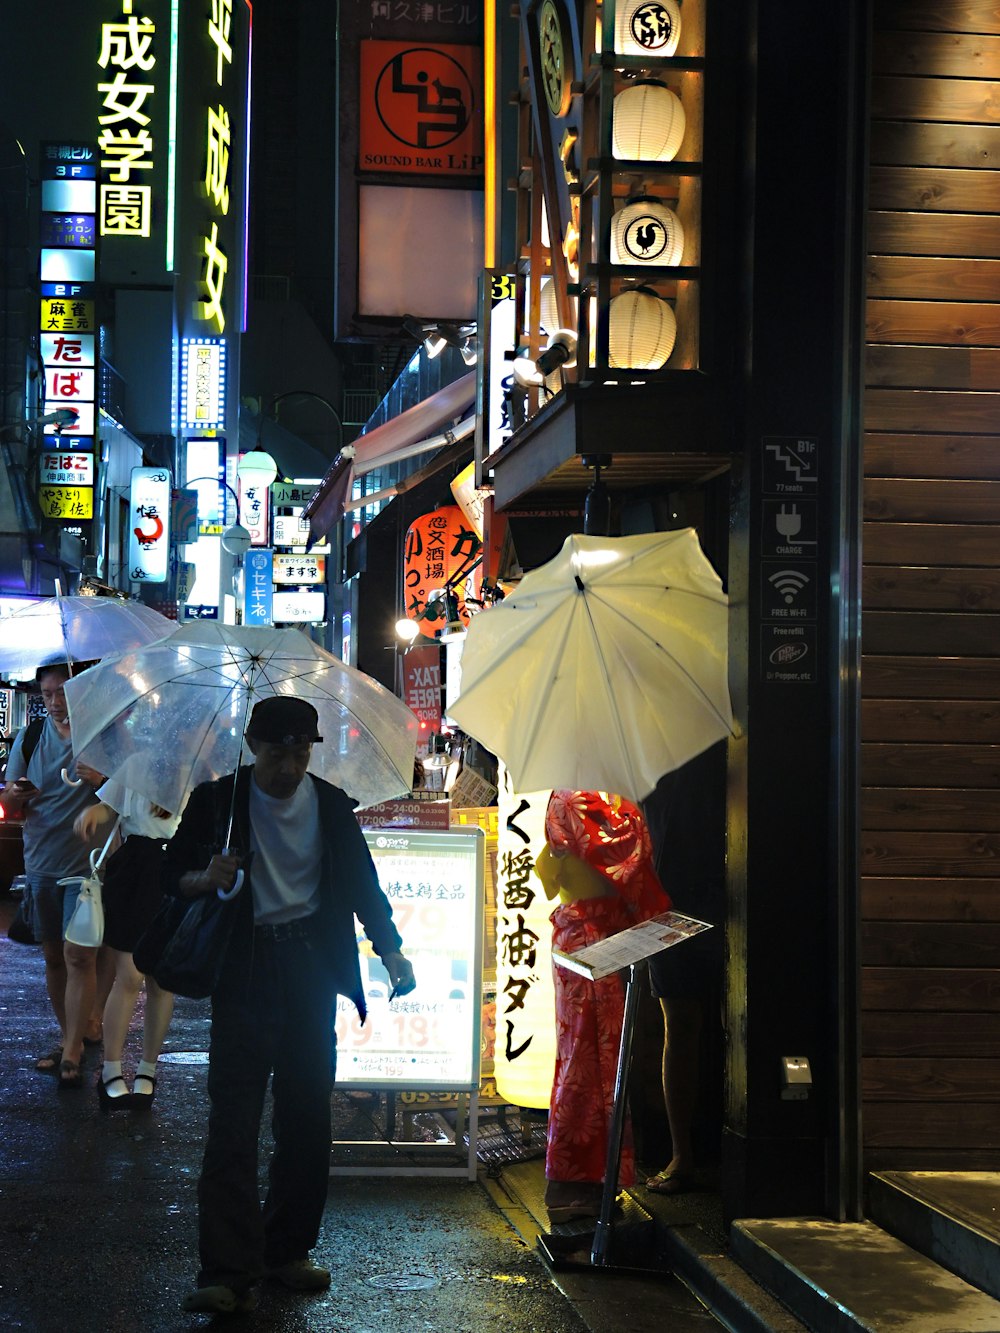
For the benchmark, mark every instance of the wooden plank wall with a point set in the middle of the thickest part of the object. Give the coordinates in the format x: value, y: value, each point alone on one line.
x: 931, y: 591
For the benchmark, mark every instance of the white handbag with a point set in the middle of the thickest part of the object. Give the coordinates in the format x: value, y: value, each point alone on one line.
x: 86, y: 925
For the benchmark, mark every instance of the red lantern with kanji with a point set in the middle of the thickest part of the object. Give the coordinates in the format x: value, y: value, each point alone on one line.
x: 439, y: 547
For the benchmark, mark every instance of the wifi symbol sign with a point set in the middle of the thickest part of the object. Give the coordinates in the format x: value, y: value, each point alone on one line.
x: 789, y: 582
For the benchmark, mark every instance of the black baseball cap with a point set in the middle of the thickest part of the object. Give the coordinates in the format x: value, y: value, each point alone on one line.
x: 282, y: 720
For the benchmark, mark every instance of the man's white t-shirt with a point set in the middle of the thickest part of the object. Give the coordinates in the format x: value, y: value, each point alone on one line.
x: 288, y: 854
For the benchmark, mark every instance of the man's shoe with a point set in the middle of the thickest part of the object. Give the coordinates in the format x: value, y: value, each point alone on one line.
x: 219, y: 1300
x: 301, y: 1275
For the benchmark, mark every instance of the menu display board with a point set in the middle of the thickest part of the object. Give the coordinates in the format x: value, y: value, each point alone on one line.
x: 430, y: 1039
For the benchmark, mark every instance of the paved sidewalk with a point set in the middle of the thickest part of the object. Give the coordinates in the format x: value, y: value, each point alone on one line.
x: 98, y: 1211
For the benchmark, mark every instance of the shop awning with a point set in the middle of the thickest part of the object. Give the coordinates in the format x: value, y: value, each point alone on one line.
x: 417, y: 430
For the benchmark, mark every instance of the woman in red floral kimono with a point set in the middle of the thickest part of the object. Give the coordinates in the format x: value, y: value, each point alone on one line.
x: 598, y: 861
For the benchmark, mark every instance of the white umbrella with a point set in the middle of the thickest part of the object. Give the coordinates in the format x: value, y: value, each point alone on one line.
x: 75, y: 629
x: 605, y: 669
x: 169, y: 716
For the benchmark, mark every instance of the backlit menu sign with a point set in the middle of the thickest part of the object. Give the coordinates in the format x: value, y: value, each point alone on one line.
x: 429, y: 1039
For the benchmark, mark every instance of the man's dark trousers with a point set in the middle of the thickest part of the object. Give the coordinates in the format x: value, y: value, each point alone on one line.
x: 271, y: 1010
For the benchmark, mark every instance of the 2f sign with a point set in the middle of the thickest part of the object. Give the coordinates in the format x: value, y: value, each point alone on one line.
x: 149, y: 525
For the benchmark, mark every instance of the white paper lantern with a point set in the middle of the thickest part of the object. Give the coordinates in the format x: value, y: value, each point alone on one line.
x: 647, y: 123
x: 646, y: 232
x: 647, y: 27
x: 548, y: 313
x: 641, y: 330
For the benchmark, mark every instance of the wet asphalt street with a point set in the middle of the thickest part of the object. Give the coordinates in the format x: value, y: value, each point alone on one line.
x: 98, y: 1217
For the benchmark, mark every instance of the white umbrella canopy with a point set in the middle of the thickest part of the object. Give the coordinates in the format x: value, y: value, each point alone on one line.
x: 169, y: 716
x: 75, y: 629
x: 605, y: 669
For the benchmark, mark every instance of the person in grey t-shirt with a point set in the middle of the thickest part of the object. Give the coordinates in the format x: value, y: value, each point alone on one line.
x: 52, y: 851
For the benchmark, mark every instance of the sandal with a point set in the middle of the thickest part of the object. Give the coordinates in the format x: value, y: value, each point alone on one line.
x: 672, y: 1182
x: 49, y: 1064
x: 70, y: 1075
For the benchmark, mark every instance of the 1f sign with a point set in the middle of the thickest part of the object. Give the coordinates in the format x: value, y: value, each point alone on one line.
x: 149, y: 525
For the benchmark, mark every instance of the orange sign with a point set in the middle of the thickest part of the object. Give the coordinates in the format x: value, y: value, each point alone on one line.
x: 439, y: 546
x: 421, y: 109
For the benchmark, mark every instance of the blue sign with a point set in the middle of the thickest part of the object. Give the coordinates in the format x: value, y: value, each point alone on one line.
x: 200, y: 612
x: 258, y: 586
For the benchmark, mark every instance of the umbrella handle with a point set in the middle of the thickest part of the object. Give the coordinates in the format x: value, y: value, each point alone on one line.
x: 70, y: 782
x: 226, y: 894
x: 237, y: 885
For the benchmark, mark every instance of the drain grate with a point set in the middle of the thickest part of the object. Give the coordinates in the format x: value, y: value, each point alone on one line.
x: 402, y: 1281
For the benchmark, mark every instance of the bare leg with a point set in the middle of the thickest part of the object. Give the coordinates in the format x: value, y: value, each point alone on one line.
x: 81, y: 987
x: 55, y: 980
x: 682, y: 1021
x: 55, y: 984
x: 105, y: 980
x: 121, y: 1004
x: 159, y: 1011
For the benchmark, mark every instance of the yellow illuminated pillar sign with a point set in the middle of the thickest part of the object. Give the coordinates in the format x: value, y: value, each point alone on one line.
x: 525, y: 1053
x: 127, y: 53
x: 212, y: 308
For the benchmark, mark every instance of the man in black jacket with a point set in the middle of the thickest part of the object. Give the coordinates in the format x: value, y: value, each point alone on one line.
x: 292, y: 949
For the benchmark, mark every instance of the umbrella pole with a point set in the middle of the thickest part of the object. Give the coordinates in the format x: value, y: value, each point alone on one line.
x: 239, y: 760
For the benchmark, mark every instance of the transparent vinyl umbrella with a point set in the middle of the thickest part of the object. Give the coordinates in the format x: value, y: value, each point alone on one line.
x: 75, y: 629
x: 605, y: 669
x: 166, y: 717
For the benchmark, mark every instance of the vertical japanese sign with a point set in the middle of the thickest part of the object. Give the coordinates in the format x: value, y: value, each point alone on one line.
x: 67, y: 342
x: 258, y: 587
x: 422, y: 690
x: 128, y: 89
x: 216, y: 39
x: 525, y: 1024
x: 149, y: 525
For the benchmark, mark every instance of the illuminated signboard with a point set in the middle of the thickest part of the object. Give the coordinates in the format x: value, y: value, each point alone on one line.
x: 284, y: 493
x: 292, y: 530
x: 524, y: 1058
x: 203, y: 474
x: 6, y: 712
x: 254, y: 509
x: 299, y: 607
x: 73, y: 502
x: 128, y: 59
x: 420, y: 109
x: 203, y: 383
x: 299, y: 569
x: 429, y: 1039
x: 69, y: 229
x: 67, y: 316
x: 257, y: 587
x: 149, y: 525
x: 66, y: 469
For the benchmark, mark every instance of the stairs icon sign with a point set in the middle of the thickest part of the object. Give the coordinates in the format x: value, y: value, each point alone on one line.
x: 789, y: 582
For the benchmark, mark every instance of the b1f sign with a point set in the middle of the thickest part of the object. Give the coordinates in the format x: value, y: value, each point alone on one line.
x: 149, y: 525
